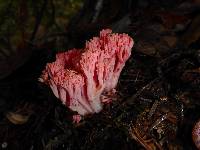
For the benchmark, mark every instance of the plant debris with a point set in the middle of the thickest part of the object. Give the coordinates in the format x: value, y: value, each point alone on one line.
x: 156, y: 103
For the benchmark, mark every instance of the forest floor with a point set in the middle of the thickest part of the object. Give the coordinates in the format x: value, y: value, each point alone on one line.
x: 157, y: 102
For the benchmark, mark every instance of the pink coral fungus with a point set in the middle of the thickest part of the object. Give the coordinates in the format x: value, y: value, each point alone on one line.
x: 79, y: 77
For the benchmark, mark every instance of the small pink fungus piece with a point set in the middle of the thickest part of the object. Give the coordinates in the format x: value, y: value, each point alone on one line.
x: 196, y: 134
x: 76, y: 118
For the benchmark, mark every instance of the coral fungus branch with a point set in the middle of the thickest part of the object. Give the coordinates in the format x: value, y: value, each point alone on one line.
x: 79, y: 77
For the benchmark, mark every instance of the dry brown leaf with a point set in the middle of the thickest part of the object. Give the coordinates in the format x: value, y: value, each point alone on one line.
x: 171, y: 40
x: 192, y: 76
x: 16, y: 118
x: 193, y: 32
x: 170, y: 19
x: 157, y: 48
x: 146, y: 48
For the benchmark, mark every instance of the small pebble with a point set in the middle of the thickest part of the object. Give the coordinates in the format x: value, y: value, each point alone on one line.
x: 4, y: 145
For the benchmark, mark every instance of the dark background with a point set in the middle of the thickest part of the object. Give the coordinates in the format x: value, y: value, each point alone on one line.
x: 157, y: 102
